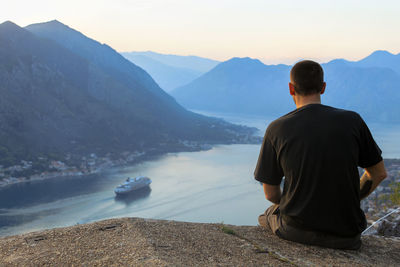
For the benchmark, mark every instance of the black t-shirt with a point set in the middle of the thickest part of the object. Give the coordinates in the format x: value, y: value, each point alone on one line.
x: 317, y: 149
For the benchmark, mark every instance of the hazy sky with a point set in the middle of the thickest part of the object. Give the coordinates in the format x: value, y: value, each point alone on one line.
x: 273, y: 31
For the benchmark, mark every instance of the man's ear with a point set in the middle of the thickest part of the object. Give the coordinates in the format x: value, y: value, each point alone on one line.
x: 291, y: 89
x: 323, y: 88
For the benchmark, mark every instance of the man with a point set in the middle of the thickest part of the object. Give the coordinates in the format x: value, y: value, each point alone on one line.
x: 317, y: 149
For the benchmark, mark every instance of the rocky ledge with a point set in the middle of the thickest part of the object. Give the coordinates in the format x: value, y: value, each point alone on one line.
x: 143, y: 242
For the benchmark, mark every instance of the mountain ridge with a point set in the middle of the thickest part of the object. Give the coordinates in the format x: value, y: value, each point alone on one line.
x: 168, y: 77
x: 57, y: 101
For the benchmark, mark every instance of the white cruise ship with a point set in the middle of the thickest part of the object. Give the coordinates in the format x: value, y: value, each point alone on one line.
x: 132, y: 184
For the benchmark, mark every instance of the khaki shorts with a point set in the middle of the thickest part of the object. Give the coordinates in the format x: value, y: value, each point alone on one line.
x: 272, y: 219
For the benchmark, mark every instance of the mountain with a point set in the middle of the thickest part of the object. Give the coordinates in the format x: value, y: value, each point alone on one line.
x: 64, y: 93
x: 243, y: 85
x: 168, y: 77
x: 380, y: 58
x: 171, y: 71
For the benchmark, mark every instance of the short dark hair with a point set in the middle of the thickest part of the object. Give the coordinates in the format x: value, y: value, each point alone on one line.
x: 307, y: 77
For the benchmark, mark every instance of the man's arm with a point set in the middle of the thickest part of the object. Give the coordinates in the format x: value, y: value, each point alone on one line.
x: 272, y: 193
x: 371, y: 178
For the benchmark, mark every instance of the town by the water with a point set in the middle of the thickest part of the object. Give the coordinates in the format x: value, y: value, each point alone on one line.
x: 75, y: 165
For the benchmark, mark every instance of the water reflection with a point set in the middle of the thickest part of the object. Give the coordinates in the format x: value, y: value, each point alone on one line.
x: 47, y: 191
x: 133, y: 196
x: 12, y: 218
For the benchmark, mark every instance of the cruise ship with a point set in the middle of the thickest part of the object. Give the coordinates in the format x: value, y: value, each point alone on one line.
x: 132, y: 184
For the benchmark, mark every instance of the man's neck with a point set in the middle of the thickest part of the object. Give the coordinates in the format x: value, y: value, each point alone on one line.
x: 302, y: 101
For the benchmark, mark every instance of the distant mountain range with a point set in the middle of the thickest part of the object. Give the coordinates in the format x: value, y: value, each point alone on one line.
x: 62, y: 92
x: 171, y: 71
x: 370, y: 86
x: 196, y: 63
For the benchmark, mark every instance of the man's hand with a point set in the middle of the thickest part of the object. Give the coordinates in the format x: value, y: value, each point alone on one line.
x: 371, y: 178
x: 272, y: 193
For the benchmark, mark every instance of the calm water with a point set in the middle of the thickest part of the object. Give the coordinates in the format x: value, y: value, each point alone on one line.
x: 207, y: 186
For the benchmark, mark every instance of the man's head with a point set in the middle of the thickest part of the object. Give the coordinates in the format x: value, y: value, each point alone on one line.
x: 306, y: 80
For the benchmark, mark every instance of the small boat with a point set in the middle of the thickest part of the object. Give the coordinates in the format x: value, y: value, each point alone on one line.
x: 132, y: 184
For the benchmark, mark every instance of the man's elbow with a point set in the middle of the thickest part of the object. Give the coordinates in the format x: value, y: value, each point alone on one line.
x: 272, y: 193
x: 273, y: 198
x: 377, y: 172
x: 382, y: 175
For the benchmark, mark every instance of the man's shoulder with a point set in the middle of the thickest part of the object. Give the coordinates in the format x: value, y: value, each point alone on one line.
x: 279, y: 123
x: 326, y: 112
x: 344, y: 114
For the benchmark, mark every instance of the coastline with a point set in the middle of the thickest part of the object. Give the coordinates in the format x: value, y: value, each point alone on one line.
x: 94, y: 170
x: 105, y: 165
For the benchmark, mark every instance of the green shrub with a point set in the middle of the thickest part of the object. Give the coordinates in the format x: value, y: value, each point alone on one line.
x: 394, y: 195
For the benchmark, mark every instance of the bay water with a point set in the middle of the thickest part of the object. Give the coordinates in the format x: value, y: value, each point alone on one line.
x: 207, y: 186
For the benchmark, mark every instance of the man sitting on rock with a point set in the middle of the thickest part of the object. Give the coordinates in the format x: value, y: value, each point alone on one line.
x: 317, y: 149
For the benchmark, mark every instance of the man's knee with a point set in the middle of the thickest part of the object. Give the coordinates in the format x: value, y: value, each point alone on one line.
x: 262, y: 221
x: 270, y: 218
x: 272, y: 210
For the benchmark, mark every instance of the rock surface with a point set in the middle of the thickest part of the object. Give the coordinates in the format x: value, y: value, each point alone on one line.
x: 142, y: 242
